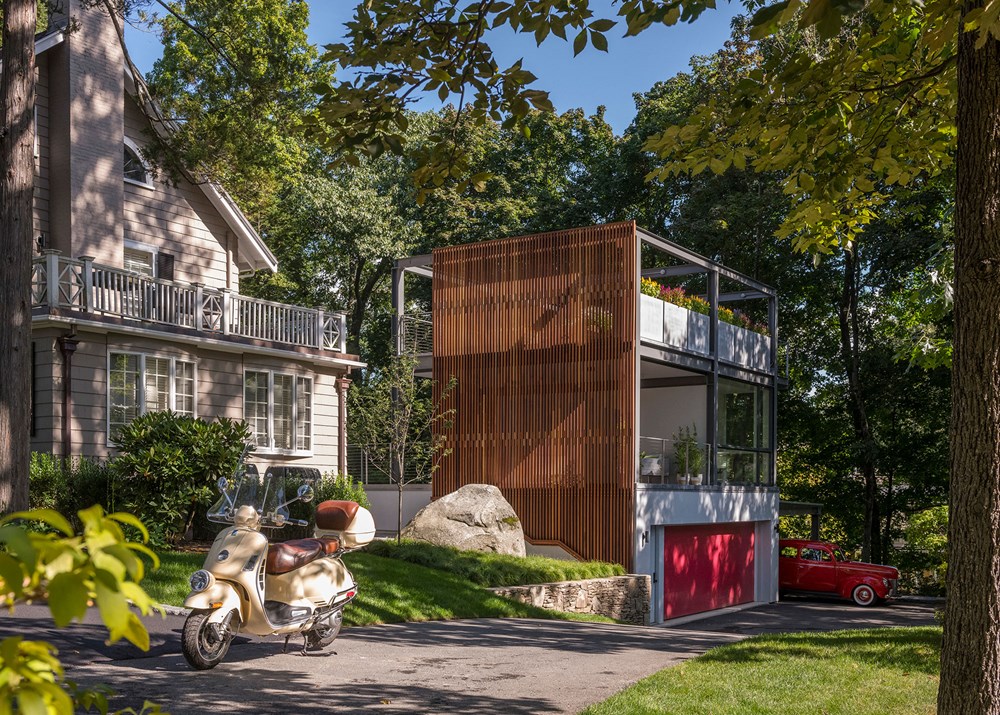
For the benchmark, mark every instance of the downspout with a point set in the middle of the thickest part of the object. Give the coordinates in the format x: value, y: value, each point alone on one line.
x: 342, y: 384
x: 67, y: 345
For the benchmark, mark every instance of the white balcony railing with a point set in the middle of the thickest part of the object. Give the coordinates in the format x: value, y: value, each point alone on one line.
x: 81, y: 284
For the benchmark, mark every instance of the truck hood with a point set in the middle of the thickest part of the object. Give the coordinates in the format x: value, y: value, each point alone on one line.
x: 862, y: 569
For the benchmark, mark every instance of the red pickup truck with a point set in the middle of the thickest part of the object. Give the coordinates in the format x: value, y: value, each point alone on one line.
x: 820, y: 567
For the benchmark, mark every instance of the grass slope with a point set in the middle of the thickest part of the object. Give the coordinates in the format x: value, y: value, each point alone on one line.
x: 887, y: 671
x: 493, y: 569
x: 389, y: 591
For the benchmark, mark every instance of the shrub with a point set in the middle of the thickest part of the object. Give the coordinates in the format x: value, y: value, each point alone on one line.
x: 168, y: 466
x: 341, y: 487
x: 67, y: 485
x: 337, y: 487
x: 493, y: 570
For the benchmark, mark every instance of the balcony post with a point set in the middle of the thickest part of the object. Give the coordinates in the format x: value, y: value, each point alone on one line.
x: 712, y: 414
x: 226, y: 307
x: 320, y: 340
x: 200, y: 320
x: 398, y: 306
x: 52, y: 276
x: 88, y: 283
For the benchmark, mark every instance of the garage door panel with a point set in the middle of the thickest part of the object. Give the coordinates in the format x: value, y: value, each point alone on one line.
x: 707, y: 566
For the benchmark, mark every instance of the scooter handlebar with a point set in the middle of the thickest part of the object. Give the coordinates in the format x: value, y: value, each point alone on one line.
x: 297, y: 522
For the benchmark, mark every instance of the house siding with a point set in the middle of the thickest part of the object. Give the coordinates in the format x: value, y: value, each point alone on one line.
x: 177, y: 219
x: 44, y: 391
x: 219, y: 392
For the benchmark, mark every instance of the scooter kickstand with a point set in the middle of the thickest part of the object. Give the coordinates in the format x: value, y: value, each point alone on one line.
x: 305, y: 644
x: 287, y: 638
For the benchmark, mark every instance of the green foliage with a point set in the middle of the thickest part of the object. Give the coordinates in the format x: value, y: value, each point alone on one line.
x: 168, y: 466
x: 69, y: 571
x: 239, y: 77
x: 688, y: 454
x: 398, y: 420
x: 493, y: 570
x: 67, y: 485
x: 340, y: 487
x: 923, y: 563
x: 886, y: 671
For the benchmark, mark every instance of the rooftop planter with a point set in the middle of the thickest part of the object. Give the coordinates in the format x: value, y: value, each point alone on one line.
x: 672, y: 317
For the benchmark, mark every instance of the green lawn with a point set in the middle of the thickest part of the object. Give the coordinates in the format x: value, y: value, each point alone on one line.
x: 389, y: 591
x: 888, y: 671
x: 493, y: 569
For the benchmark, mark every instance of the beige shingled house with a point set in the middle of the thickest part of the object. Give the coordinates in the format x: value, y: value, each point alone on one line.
x: 136, y: 302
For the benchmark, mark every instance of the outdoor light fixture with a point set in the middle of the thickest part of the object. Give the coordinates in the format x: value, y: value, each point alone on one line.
x: 645, y: 537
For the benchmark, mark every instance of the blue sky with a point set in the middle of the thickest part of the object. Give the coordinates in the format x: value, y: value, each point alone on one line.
x: 593, y: 78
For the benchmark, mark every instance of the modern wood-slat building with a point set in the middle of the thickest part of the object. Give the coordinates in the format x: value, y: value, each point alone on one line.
x: 620, y: 426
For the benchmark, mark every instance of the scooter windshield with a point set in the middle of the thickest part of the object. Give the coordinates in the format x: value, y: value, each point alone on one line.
x: 248, y: 488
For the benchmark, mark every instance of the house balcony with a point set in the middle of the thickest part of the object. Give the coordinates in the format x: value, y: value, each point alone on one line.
x: 80, y: 286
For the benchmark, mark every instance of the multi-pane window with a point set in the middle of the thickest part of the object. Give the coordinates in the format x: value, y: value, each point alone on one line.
x: 278, y: 408
x: 139, y: 383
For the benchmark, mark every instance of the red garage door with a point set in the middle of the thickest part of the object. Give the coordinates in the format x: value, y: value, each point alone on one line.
x: 707, y: 566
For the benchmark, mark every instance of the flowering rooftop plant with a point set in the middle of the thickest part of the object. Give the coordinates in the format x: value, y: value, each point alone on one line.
x: 696, y: 303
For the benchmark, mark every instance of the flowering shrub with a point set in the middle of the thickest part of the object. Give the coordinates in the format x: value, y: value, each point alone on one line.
x: 697, y: 304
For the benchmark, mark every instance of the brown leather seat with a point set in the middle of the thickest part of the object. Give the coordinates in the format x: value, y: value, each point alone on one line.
x: 290, y: 555
x: 335, y: 515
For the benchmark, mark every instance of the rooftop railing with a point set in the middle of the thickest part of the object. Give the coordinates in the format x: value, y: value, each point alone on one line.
x: 80, y: 284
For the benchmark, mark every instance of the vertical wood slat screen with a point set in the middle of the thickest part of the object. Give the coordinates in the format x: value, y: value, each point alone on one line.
x: 540, y: 334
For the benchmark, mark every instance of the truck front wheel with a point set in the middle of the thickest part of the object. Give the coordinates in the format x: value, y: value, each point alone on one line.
x: 864, y: 595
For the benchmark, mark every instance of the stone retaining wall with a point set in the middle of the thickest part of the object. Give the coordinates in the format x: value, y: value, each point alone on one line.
x: 625, y: 598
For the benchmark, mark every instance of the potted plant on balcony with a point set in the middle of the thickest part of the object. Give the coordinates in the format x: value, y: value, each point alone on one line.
x: 651, y: 465
x: 688, y: 456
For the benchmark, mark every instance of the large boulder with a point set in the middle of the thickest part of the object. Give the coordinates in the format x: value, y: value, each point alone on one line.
x: 474, y: 518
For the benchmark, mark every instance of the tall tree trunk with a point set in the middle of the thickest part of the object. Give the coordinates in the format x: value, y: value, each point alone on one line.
x: 17, y: 142
x: 864, y: 443
x: 970, y: 656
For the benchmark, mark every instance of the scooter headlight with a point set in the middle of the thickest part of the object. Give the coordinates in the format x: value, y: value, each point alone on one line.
x: 201, y: 580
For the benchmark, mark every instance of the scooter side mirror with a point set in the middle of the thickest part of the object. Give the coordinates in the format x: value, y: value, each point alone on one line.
x: 305, y: 493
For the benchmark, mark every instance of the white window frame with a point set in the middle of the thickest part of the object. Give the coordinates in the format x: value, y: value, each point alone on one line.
x: 141, y: 383
x: 134, y: 147
x: 270, y: 449
x: 153, y: 251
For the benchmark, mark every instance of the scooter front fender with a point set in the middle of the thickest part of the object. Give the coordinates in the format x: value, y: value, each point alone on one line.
x: 220, y: 598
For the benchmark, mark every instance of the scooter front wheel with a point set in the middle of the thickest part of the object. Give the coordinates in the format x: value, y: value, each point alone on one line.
x: 204, y: 644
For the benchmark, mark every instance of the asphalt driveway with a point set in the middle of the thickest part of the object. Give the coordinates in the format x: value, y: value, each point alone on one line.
x: 475, y: 666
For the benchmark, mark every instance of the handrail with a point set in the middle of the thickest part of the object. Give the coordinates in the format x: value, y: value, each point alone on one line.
x: 80, y: 284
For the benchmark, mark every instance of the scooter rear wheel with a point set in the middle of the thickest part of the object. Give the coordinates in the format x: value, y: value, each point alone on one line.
x: 203, y: 645
x: 322, y: 636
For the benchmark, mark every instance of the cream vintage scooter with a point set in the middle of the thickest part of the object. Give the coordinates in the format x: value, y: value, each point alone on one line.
x: 248, y: 585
